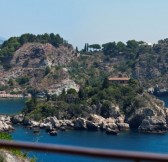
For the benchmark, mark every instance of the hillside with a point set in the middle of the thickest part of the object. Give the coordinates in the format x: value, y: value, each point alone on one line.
x: 139, y: 60
x: 47, y: 59
x: 45, y: 64
x: 37, y: 65
x: 74, y: 84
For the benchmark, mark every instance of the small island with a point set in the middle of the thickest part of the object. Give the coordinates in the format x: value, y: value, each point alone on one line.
x: 107, y: 87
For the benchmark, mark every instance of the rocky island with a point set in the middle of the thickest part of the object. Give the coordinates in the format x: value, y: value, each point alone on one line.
x: 102, y: 87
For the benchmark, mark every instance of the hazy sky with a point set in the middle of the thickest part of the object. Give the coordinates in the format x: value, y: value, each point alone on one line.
x: 86, y: 21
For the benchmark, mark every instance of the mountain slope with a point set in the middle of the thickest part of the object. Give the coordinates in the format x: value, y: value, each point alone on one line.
x: 37, y: 55
x: 35, y: 65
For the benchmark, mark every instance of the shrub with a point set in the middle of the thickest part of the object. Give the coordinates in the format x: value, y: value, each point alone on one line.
x: 23, y: 80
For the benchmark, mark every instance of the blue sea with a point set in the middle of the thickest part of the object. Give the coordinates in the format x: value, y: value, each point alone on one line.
x: 129, y: 140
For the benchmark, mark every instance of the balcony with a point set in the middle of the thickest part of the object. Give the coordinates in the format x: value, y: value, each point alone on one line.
x: 80, y: 151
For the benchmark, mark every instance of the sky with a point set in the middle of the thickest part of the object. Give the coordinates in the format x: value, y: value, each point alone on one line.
x: 86, y: 21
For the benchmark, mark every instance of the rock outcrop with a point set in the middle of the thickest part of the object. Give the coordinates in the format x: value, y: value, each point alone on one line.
x: 93, y: 123
x: 150, y: 118
x: 35, y: 55
x: 35, y: 61
x: 17, y: 118
x: 110, y: 131
x: 5, y: 124
x: 7, y: 156
x: 80, y: 123
x: 154, y: 124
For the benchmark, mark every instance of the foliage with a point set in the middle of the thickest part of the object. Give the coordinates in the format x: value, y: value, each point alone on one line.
x: 3, y: 87
x: 23, y: 80
x: 110, y: 49
x: 72, y: 104
x: 5, y: 136
x: 2, y: 158
x: 71, y: 91
x: 14, y: 43
x: 95, y: 46
x: 11, y: 82
x: 16, y: 152
x: 47, y: 70
x: 86, y: 47
x: 113, y: 48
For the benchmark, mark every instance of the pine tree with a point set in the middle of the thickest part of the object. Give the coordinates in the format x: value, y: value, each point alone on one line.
x: 85, y: 47
x: 77, y: 49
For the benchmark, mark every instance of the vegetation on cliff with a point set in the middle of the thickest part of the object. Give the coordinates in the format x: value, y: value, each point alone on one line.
x: 14, y: 154
x: 91, y: 99
x: 143, y: 61
x: 12, y: 44
x: 46, y: 64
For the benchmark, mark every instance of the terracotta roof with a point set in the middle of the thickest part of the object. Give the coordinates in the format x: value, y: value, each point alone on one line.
x: 119, y: 79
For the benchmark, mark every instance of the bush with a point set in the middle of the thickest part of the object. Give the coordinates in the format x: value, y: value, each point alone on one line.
x: 22, y: 80
x: 5, y: 136
x: 47, y: 70
x: 2, y: 158
x: 71, y: 91
x: 3, y: 88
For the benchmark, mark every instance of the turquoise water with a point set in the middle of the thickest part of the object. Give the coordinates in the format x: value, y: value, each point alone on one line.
x: 165, y: 99
x: 11, y: 106
x: 130, y: 140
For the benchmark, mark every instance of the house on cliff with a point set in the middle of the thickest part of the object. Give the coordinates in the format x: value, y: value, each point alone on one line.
x: 118, y: 80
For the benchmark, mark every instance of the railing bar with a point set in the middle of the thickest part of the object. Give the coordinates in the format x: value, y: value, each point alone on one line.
x: 101, y: 153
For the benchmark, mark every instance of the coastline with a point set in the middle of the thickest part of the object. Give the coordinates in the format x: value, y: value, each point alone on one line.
x: 52, y: 125
x: 11, y: 96
x: 8, y: 95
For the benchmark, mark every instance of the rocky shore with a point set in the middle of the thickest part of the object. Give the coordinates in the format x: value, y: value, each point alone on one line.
x: 151, y: 118
x: 5, y: 123
x: 148, y: 124
x: 92, y: 123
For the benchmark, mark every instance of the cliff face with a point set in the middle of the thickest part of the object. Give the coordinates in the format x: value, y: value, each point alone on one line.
x: 7, y: 156
x: 36, y: 55
x: 38, y: 65
x: 151, y: 69
x: 149, y: 117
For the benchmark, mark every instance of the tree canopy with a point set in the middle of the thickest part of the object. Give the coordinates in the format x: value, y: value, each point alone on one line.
x: 95, y: 46
x: 12, y: 44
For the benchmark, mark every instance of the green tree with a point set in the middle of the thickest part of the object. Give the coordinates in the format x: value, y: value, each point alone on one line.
x: 132, y: 44
x: 77, y: 49
x: 110, y: 49
x: 106, y: 109
x: 23, y: 80
x: 47, y: 70
x: 71, y: 91
x: 105, y: 83
x: 86, y: 47
x: 95, y: 46
x: 121, y: 47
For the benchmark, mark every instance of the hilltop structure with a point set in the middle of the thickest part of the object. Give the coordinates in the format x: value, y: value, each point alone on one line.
x: 118, y: 80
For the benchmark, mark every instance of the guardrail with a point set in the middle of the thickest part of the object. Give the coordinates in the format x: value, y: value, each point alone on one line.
x: 99, y: 153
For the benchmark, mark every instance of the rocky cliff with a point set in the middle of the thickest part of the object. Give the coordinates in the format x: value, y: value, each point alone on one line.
x: 40, y: 66
x: 37, y: 55
x: 149, y: 117
x: 7, y: 156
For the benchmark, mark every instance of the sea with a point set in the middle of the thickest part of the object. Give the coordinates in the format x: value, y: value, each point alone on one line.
x: 127, y: 140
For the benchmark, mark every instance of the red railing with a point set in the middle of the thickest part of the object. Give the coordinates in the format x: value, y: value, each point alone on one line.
x: 99, y: 153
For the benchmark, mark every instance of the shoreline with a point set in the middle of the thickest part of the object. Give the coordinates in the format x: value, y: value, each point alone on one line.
x: 13, y: 96
x: 51, y: 124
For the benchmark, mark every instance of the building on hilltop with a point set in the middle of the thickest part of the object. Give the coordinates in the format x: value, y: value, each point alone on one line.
x: 118, y: 80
